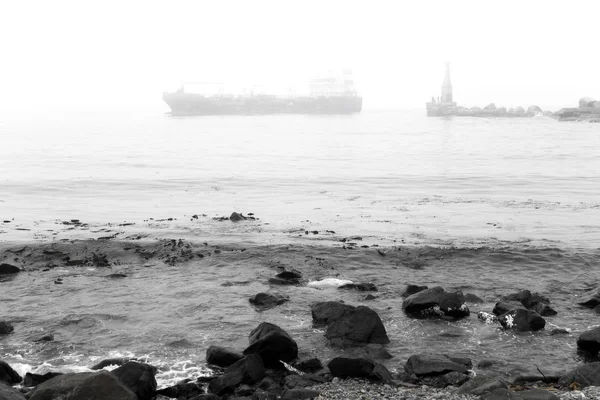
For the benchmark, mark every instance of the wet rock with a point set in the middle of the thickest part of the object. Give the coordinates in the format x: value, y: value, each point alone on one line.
x: 436, y: 302
x: 436, y: 364
x: 222, y: 356
x: 46, y: 338
x: 559, y: 331
x: 590, y: 341
x: 344, y: 367
x: 535, y: 302
x: 9, y: 375
x: 103, y: 384
x: 537, y: 394
x: 291, y: 277
x: 348, y: 325
x: 265, y: 301
x: 382, y: 374
x: 184, y: 390
x: 6, y: 269
x: 299, y: 394
x: 329, y: 311
x: 35, y: 379
x: 522, y: 320
x: 584, y: 375
x: 111, y: 361
x: 487, y: 317
x: 308, y: 365
x: 502, y: 307
x: 501, y: 394
x: 9, y: 393
x: 592, y: 301
x: 472, y: 298
x: 272, y: 344
x: 138, y: 377
x: 248, y: 370
x: 442, y: 381
x: 482, y: 384
x: 235, y: 217
x: 6, y: 328
x: 412, y: 289
x: 363, y: 287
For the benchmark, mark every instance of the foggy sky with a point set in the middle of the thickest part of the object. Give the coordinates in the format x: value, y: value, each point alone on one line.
x: 70, y: 55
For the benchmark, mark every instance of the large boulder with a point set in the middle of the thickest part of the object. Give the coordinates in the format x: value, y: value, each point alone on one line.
x: 522, y: 320
x: 590, y: 341
x: 103, y: 385
x: 222, y: 356
x: 6, y: 269
x: 272, y: 344
x: 436, y: 364
x: 584, y: 375
x: 31, y: 380
x: 591, y: 301
x: 348, y: 325
x: 248, y: 370
x: 9, y: 375
x: 138, y: 377
x: 531, y: 301
x: 436, y: 302
x: 10, y: 393
x: 502, y: 307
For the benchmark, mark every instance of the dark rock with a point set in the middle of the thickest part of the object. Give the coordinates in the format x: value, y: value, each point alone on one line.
x: 249, y: 369
x: 103, y: 384
x: 590, y: 341
x: 222, y: 356
x: 412, y: 289
x: 301, y: 381
x: 584, y: 375
x: 537, y: 394
x: 362, y: 326
x: 501, y: 394
x: 472, y: 298
x: 269, y: 384
x: 344, y: 367
x: 260, y: 394
x: 382, y: 374
x: 264, y: 301
x: 5, y: 328
x: 370, y: 297
x: 441, y: 381
x: 522, y: 320
x: 559, y: 331
x: 9, y: 375
x: 363, y: 287
x: 291, y: 274
x: 308, y: 365
x: 182, y: 390
x: 482, y: 384
x: 46, y: 338
x: 236, y: 217
x: 111, y: 361
x: 9, y: 393
x: 138, y: 377
x: 299, y: 394
x: 436, y: 302
x: 329, y: 311
x: 535, y: 302
x: 591, y: 301
x: 436, y: 364
x: 272, y: 344
x: 8, y: 269
x: 291, y: 277
x: 502, y: 307
x: 35, y: 379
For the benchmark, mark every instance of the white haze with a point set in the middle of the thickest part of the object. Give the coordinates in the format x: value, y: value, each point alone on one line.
x: 64, y: 56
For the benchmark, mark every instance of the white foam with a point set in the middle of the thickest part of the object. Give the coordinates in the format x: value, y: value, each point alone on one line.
x: 329, y: 282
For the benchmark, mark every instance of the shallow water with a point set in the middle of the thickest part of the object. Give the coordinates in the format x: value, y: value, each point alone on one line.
x: 512, y: 203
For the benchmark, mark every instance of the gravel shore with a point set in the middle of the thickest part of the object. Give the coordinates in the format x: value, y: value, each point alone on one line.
x: 346, y: 389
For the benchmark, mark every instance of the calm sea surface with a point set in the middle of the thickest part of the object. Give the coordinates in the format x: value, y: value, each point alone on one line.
x: 515, y: 201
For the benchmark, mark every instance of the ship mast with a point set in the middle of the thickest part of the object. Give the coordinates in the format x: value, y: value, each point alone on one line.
x: 447, y: 86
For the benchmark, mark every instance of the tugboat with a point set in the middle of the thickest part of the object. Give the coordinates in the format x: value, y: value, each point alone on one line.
x: 329, y: 95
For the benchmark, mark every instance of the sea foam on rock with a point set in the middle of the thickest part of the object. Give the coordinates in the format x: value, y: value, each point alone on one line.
x: 436, y: 302
x: 522, y: 320
x: 348, y: 325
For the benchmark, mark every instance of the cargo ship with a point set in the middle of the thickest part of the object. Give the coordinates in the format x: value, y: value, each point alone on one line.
x: 327, y: 95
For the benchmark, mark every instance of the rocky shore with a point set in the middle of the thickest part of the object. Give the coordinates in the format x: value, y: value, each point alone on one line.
x: 272, y: 365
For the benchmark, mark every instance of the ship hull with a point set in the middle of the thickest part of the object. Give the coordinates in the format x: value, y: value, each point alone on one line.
x: 196, y: 104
